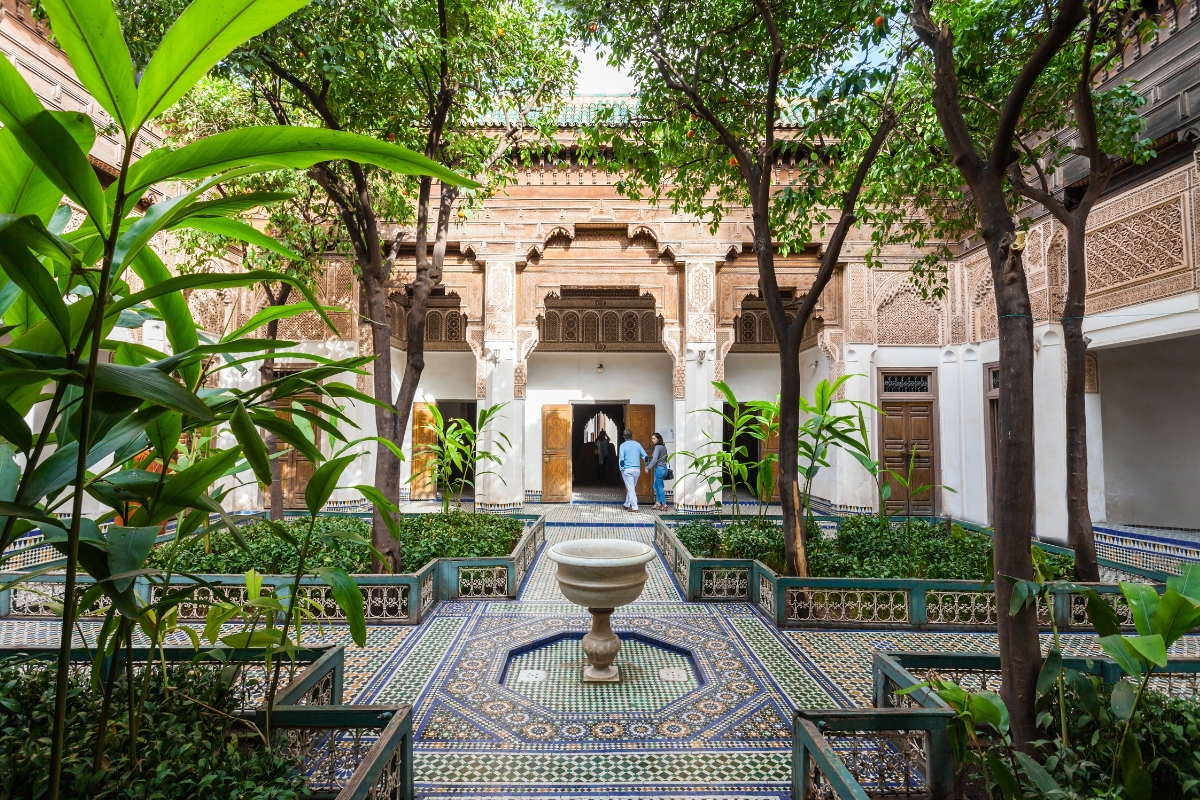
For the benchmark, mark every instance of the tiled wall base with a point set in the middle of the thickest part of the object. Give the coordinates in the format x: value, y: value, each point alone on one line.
x: 499, y: 508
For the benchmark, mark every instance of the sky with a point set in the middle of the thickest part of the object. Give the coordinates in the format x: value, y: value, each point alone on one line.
x: 597, y: 77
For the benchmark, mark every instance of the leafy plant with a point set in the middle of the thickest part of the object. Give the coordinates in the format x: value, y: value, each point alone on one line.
x: 1107, y: 749
x: 457, y: 454
x: 130, y: 411
x: 457, y: 535
x: 188, y: 741
x: 718, y: 463
x: 337, y: 542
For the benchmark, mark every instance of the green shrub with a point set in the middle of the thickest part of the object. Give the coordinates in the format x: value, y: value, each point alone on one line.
x: 701, y: 538
x: 920, y: 548
x: 456, y: 535
x: 183, y: 749
x: 219, y: 553
x: 756, y: 538
x: 422, y: 537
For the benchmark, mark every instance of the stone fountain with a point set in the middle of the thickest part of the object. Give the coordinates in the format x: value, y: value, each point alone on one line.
x: 601, y: 575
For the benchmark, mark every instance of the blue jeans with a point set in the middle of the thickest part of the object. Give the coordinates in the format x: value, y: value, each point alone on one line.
x: 660, y: 493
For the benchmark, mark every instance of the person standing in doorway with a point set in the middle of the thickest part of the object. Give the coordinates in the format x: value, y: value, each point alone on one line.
x: 658, y: 468
x: 602, y: 446
x: 630, y: 458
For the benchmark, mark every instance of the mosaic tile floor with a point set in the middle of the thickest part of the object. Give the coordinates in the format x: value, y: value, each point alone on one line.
x: 704, y: 710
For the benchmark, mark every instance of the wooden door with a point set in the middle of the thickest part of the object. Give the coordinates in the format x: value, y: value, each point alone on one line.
x: 640, y: 420
x: 422, y: 486
x: 771, y: 447
x: 907, y: 432
x: 294, y: 469
x: 556, y: 454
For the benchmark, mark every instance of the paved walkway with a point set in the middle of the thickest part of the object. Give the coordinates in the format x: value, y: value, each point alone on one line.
x: 704, y: 710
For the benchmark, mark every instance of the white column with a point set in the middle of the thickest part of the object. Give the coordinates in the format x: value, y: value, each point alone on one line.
x: 1050, y: 434
x: 974, y: 453
x: 952, y: 432
x: 853, y: 487
x: 501, y: 487
x: 696, y: 430
x: 1095, y: 442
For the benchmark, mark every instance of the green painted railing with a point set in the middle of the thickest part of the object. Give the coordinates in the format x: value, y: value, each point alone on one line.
x: 328, y: 739
x: 901, y: 747
x: 387, y: 599
x: 872, y: 752
x: 853, y: 603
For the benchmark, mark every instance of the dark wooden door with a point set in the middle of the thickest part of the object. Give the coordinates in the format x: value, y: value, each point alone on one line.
x: 640, y: 420
x: 907, y: 435
x: 294, y: 469
x: 556, y: 454
x: 422, y: 486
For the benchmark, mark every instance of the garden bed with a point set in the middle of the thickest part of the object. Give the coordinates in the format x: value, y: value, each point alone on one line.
x: 901, y: 603
x: 200, y: 731
x: 446, y: 574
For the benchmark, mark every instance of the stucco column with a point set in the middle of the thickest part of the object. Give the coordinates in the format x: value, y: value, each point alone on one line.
x: 1050, y: 434
x: 500, y: 487
x: 697, y: 431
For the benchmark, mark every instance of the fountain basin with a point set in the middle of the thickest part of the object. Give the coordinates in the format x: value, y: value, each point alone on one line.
x: 601, y: 574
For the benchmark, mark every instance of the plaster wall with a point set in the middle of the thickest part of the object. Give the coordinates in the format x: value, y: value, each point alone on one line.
x: 447, y: 376
x: 1152, y: 432
x: 753, y: 376
x: 560, y: 378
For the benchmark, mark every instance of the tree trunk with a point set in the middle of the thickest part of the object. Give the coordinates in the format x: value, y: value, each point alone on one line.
x: 387, y: 466
x: 1079, y: 515
x: 1020, y: 651
x: 794, y: 544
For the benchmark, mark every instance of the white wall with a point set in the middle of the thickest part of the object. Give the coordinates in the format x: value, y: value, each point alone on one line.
x: 559, y: 378
x: 753, y: 376
x: 1151, y: 432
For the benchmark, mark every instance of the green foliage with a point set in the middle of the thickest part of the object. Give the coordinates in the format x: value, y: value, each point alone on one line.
x: 423, y: 537
x: 718, y: 463
x: 863, y: 548
x: 749, y: 537
x: 701, y: 538
x: 219, y: 553
x: 183, y: 749
x: 756, y: 538
x: 457, y: 535
x: 458, y: 459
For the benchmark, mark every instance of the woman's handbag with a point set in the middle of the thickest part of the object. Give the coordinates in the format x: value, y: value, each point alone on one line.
x: 670, y: 476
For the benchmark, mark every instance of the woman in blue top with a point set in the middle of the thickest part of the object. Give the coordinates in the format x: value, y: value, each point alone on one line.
x: 658, y: 467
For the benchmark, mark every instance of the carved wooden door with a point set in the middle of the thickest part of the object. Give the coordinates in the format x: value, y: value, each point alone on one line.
x: 907, y: 433
x: 556, y: 454
x: 640, y: 420
x: 422, y: 486
x: 294, y: 469
x: 771, y: 447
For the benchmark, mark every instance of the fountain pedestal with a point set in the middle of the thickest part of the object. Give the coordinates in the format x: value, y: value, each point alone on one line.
x: 601, y: 575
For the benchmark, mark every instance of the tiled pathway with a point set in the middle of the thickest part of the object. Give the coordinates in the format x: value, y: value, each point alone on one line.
x: 704, y: 711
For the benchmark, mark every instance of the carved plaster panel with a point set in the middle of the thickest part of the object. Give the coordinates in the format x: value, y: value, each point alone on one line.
x: 673, y: 343
x: 498, y: 304
x: 904, y: 317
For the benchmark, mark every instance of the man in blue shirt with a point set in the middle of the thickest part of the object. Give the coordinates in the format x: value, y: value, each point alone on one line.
x: 631, y: 456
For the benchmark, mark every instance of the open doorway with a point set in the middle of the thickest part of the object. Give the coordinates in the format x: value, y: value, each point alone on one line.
x: 595, y: 436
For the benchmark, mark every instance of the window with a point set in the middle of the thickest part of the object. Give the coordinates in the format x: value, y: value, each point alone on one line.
x: 906, y: 384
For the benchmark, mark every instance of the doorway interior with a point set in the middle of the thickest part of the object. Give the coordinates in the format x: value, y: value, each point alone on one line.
x: 570, y: 462
x: 594, y: 427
